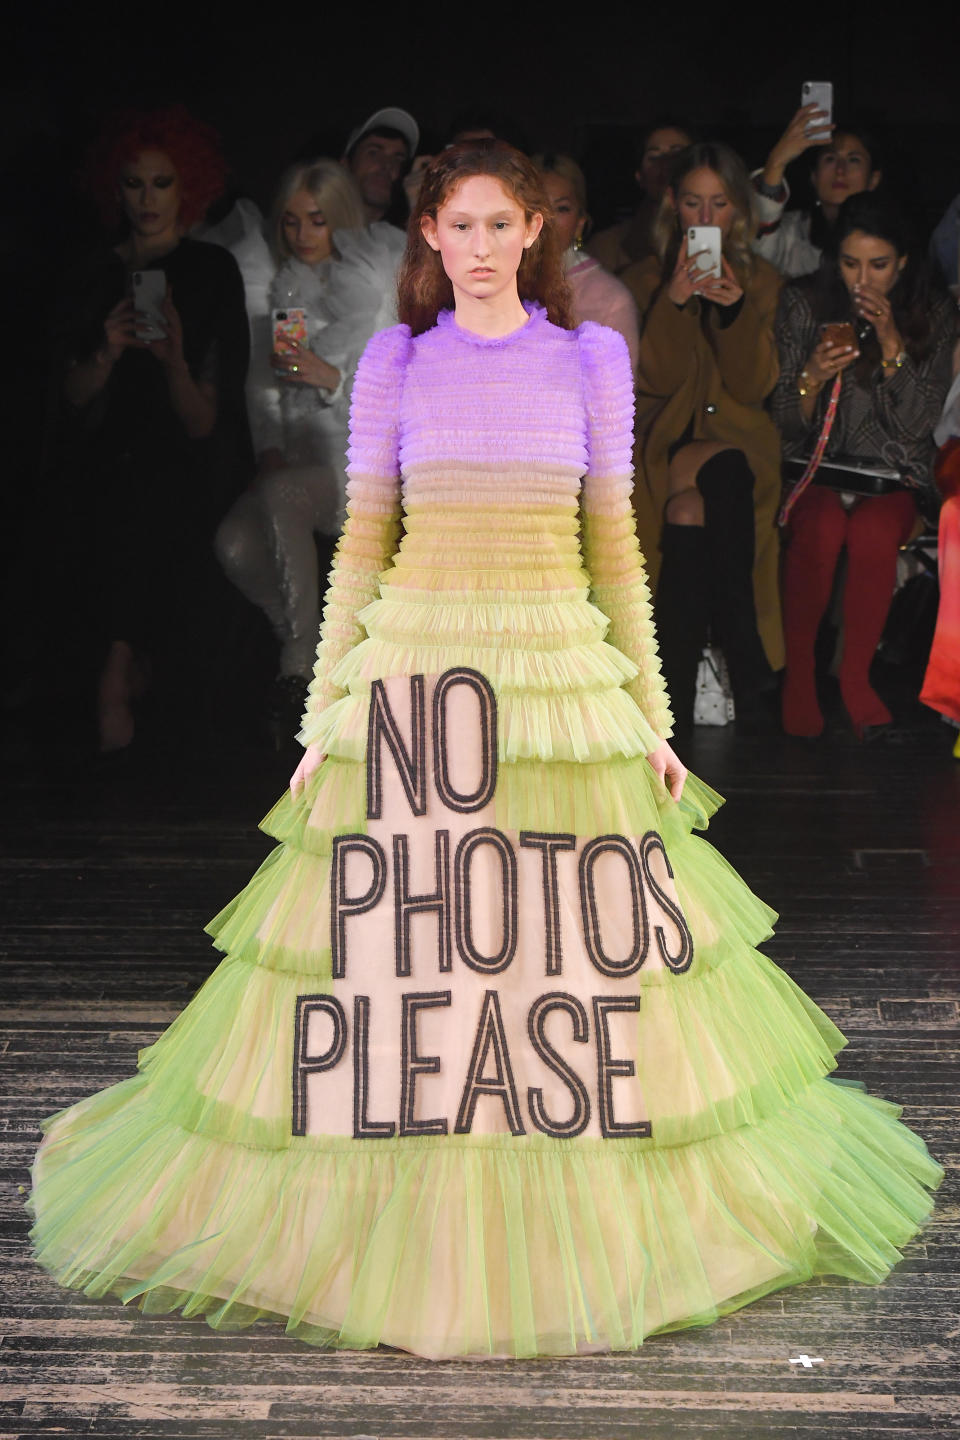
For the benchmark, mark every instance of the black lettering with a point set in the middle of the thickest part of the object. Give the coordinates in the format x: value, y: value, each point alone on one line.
x: 412, y: 766
x: 608, y: 1068
x: 490, y: 1038
x: 536, y: 1029
x: 305, y: 1064
x: 590, y: 911
x: 463, y: 907
x: 684, y: 957
x: 343, y: 905
x: 412, y: 1063
x: 363, y: 1128
x: 455, y: 799
x: 549, y: 845
x: 406, y: 905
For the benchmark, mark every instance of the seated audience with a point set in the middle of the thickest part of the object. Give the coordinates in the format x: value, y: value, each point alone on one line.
x: 893, y: 369
x: 597, y: 295
x: 708, y: 455
x: 342, y: 274
x: 378, y: 154
x: 845, y: 164
x: 160, y: 438
x: 632, y: 240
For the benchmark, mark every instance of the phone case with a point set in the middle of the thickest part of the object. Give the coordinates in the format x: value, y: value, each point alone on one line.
x: 289, y: 329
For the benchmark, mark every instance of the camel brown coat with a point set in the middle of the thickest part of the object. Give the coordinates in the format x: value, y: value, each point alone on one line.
x: 699, y: 380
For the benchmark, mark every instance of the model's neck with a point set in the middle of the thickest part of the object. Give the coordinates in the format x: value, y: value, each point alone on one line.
x: 490, y: 318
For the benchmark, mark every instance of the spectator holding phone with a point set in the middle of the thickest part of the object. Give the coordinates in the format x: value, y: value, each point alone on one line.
x: 335, y: 276
x: 893, y: 369
x: 708, y: 458
x: 158, y: 434
x: 845, y: 162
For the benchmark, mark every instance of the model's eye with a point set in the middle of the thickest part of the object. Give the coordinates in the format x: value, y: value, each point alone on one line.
x: 131, y: 182
x: 163, y: 182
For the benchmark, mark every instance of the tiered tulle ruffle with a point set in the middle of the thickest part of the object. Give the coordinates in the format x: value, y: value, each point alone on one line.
x: 186, y: 1186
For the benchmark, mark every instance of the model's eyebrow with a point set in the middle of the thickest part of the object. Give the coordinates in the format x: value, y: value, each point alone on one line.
x: 469, y: 215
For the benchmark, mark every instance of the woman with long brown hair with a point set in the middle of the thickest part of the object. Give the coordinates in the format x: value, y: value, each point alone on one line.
x: 492, y: 1066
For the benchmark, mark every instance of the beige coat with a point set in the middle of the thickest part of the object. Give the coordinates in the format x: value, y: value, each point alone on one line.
x: 691, y: 373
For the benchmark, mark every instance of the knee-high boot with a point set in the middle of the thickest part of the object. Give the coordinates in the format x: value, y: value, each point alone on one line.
x: 681, y: 614
x: 726, y: 483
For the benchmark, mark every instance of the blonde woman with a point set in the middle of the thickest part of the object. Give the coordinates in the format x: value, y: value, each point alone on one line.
x: 597, y: 295
x: 709, y: 455
x: 341, y: 272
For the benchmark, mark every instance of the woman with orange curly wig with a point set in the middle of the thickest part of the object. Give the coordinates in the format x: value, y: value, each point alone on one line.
x: 157, y: 397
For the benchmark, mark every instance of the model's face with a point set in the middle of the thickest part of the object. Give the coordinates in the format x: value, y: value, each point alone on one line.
x: 480, y: 234
x: 305, y: 229
x: 569, y: 219
x: 659, y: 150
x: 701, y: 199
x: 842, y: 169
x: 150, y: 194
x: 868, y: 260
x: 376, y: 164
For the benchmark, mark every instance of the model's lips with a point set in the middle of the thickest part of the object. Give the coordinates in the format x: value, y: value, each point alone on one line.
x: 149, y: 215
x: 481, y: 270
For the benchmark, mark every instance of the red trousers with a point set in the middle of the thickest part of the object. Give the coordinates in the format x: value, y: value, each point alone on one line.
x: 819, y: 528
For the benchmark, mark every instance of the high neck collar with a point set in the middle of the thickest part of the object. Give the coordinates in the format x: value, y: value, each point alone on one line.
x: 447, y: 321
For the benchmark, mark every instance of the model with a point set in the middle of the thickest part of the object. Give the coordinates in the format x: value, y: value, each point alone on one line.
x: 492, y: 1066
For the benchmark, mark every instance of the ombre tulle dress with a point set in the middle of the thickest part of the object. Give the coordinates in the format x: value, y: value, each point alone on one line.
x: 492, y: 1065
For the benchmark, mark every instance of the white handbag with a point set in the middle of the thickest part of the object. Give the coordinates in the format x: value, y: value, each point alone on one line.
x: 713, y: 702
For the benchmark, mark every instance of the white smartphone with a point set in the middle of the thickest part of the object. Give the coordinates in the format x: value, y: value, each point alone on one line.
x: 149, y: 293
x: 704, y: 245
x: 819, y: 93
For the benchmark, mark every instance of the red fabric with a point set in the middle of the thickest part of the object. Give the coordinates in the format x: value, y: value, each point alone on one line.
x: 941, y: 684
x: 819, y: 529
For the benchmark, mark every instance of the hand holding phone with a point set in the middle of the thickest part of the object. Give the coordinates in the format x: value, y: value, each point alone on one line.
x: 704, y: 246
x: 149, y: 296
x: 819, y: 93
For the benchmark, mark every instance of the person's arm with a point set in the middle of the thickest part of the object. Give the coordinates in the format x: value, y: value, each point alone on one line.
x: 87, y: 377
x: 746, y: 348
x: 370, y: 532
x: 614, y: 562
x: 796, y: 416
x: 907, y: 395
x: 669, y: 329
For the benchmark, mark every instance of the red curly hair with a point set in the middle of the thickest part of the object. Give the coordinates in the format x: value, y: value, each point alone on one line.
x: 192, y: 146
x: 423, y: 286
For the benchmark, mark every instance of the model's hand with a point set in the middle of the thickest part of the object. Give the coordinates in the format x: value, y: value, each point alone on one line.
x: 169, y: 350
x: 725, y: 291
x: 300, y: 366
x: 313, y: 758
x: 802, y: 132
x: 827, y: 360
x: 876, y: 308
x: 668, y: 769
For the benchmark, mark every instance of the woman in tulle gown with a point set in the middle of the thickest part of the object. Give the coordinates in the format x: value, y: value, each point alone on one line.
x: 492, y: 1065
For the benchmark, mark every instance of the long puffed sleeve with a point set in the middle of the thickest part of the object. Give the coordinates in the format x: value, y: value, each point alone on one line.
x: 616, y: 566
x: 370, y: 533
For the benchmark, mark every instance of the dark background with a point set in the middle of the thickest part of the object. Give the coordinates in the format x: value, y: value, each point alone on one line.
x: 298, y: 73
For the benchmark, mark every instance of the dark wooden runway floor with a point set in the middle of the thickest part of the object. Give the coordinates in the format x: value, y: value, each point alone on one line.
x: 105, y: 883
